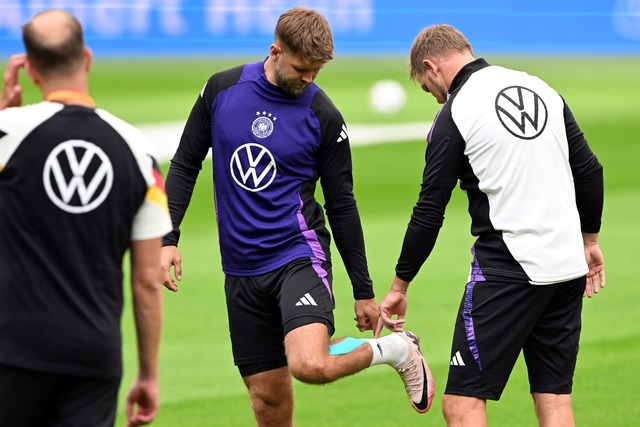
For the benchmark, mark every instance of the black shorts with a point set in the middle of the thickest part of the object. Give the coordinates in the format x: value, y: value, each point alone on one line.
x: 263, y: 309
x: 33, y: 399
x: 497, y: 320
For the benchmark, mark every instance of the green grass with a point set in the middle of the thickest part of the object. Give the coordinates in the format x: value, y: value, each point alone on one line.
x: 199, y: 384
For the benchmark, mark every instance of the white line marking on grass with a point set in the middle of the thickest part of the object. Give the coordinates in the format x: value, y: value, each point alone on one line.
x: 165, y: 136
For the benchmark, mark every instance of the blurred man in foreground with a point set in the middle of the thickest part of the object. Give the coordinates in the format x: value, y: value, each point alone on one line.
x: 77, y: 189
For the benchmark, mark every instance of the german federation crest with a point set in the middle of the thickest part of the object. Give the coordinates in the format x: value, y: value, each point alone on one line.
x: 262, y: 126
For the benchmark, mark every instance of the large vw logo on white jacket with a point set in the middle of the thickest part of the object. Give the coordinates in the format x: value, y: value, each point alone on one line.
x: 253, y: 167
x: 521, y: 111
x: 77, y: 176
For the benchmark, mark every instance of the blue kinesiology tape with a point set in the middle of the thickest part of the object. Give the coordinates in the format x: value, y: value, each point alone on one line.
x: 345, y: 346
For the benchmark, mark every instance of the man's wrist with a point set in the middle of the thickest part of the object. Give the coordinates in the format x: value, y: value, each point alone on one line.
x: 399, y: 285
x: 589, y: 239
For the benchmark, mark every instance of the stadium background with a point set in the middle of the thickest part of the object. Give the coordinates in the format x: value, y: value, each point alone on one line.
x: 152, y: 57
x: 169, y: 27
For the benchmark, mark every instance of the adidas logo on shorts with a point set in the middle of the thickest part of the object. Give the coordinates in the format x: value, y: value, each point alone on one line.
x: 456, y: 360
x: 306, y: 300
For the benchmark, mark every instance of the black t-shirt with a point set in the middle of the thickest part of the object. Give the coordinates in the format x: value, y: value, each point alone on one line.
x: 76, y: 187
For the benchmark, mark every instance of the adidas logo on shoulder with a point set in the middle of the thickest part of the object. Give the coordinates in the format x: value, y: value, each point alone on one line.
x: 343, y: 134
x: 306, y: 300
x: 456, y: 360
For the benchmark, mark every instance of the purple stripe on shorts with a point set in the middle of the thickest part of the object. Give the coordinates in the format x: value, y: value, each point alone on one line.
x: 475, y: 275
x: 319, y: 256
x: 322, y: 273
x: 468, y: 323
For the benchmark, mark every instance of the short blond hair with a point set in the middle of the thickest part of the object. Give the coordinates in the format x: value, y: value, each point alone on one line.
x: 436, y: 41
x: 305, y: 32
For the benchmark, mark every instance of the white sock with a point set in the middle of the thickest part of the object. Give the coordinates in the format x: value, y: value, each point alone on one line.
x: 391, y: 349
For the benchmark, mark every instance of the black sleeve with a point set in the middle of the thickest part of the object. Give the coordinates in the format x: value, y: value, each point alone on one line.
x: 336, y: 179
x: 439, y: 178
x: 587, y: 176
x: 194, y: 146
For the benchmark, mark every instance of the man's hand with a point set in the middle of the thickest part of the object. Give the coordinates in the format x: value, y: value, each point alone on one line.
x: 595, y: 261
x: 394, y: 303
x: 142, y: 402
x: 366, y: 314
x: 170, y: 256
x: 11, y: 90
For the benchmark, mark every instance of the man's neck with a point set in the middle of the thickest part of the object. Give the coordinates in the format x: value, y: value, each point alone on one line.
x: 68, y: 91
x: 454, y: 64
x: 71, y: 97
x: 269, y: 70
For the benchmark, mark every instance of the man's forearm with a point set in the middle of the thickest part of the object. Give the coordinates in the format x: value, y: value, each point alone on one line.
x: 147, y: 304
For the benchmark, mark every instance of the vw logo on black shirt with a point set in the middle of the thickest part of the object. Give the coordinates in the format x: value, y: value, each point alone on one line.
x: 253, y: 167
x: 77, y: 176
x: 521, y: 111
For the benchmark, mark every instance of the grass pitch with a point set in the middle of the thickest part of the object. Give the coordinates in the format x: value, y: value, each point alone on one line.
x: 199, y: 384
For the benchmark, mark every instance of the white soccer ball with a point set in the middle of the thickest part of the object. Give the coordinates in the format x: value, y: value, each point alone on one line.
x: 387, y: 97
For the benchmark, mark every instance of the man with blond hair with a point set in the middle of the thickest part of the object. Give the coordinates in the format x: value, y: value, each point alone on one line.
x: 535, y: 193
x: 77, y: 190
x: 273, y: 134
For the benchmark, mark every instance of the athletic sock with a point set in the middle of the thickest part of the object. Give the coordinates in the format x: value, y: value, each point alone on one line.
x: 391, y: 349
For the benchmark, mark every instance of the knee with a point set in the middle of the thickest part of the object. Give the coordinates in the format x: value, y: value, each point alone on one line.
x: 271, y: 406
x: 271, y: 397
x: 310, y: 371
x: 267, y: 401
x: 464, y: 410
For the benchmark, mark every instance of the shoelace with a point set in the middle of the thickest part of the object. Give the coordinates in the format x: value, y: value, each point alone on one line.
x: 412, y: 378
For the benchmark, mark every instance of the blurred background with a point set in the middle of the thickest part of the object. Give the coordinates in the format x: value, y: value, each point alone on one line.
x: 162, y: 51
x: 214, y: 27
x: 152, y: 58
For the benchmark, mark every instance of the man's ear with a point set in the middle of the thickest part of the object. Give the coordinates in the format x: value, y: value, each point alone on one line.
x: 274, y: 51
x: 33, y: 74
x: 429, y: 64
x: 88, y: 57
